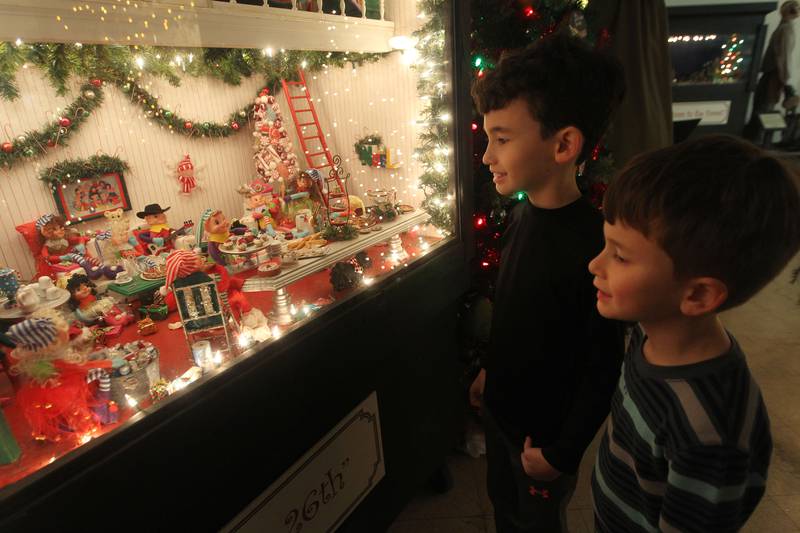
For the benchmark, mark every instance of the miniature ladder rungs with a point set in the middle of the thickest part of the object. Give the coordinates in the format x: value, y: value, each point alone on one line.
x: 291, y: 100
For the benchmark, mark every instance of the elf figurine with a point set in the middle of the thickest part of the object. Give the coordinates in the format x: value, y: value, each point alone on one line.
x: 217, y: 230
x: 54, y: 395
x: 262, y: 210
x: 186, y: 267
x: 60, y: 245
x: 157, y: 235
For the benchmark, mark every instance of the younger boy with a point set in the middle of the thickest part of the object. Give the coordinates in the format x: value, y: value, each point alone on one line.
x: 691, y: 230
x: 553, y: 361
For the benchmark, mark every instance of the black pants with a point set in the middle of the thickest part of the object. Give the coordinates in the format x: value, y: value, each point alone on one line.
x: 522, y: 504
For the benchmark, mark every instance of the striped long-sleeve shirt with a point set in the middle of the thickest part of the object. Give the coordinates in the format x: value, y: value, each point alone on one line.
x: 687, y: 448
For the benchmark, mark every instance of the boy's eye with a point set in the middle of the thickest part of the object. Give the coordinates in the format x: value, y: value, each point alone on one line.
x: 619, y: 258
x: 502, y: 140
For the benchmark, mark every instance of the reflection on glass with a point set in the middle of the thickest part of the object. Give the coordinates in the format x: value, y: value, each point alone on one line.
x: 711, y: 58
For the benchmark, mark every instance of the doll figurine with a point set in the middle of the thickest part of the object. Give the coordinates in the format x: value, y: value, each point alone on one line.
x: 89, y: 309
x: 158, y: 233
x: 61, y: 245
x: 54, y: 395
x: 217, y: 230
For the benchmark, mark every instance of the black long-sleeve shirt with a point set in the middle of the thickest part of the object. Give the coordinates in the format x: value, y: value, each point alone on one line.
x: 553, y: 361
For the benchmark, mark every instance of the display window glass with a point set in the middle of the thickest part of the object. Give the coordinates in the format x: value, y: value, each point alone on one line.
x: 183, y: 186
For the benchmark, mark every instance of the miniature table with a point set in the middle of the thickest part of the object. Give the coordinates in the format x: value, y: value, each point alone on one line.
x: 136, y: 288
x: 17, y: 312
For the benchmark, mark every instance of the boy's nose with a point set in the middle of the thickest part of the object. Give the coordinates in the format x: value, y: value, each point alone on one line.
x: 487, y: 158
x: 594, y: 265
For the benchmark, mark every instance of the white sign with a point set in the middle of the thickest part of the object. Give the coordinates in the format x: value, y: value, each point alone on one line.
x: 710, y: 113
x: 322, y: 488
x: 772, y: 121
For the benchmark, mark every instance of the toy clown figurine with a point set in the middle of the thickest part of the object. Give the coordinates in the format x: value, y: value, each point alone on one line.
x: 158, y: 231
x: 54, y: 395
x: 60, y: 245
x: 217, y: 229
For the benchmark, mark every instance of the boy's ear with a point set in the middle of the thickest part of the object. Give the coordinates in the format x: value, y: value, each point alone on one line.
x: 703, y: 296
x: 569, y: 143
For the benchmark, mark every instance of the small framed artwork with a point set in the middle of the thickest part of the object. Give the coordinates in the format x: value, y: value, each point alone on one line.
x: 89, y: 198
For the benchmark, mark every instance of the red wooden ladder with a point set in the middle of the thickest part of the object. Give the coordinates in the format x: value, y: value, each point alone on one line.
x: 305, y: 118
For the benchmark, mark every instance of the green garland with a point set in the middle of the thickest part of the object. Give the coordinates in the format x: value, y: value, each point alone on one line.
x: 170, y: 120
x: 117, y: 65
x: 120, y: 64
x: 72, y: 170
x: 34, y: 144
x: 434, y: 142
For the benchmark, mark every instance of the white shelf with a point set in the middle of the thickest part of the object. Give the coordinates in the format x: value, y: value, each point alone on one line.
x: 207, y: 24
x: 337, y: 252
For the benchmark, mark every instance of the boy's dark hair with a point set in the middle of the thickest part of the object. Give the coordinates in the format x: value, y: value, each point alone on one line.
x: 564, y: 82
x: 718, y: 206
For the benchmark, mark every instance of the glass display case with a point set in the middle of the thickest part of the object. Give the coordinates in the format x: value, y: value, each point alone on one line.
x: 716, y: 51
x: 189, y: 187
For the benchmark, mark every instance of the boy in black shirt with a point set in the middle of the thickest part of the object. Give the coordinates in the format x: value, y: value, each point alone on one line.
x: 553, y: 360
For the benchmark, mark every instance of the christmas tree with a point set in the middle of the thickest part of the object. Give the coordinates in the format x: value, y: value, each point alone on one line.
x: 274, y: 158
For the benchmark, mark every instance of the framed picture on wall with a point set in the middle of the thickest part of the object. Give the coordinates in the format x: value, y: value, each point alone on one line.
x: 89, y: 198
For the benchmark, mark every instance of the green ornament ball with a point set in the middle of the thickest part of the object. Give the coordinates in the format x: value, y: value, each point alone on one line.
x: 85, y: 113
x: 206, y: 125
x: 28, y: 152
x: 167, y: 114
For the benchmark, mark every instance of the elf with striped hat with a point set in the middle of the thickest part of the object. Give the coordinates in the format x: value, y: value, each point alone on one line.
x: 54, y: 396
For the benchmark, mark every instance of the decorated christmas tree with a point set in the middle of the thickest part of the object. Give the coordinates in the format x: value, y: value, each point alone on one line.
x: 274, y: 158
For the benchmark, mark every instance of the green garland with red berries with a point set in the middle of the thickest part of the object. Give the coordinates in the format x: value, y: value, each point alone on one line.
x: 121, y: 66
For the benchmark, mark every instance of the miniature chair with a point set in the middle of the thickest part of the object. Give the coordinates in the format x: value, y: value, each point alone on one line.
x: 202, y: 311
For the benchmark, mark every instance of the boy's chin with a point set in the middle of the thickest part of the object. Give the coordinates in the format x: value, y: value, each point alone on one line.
x: 610, y: 314
x: 504, y: 189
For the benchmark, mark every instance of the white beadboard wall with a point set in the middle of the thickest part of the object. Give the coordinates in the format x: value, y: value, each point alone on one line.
x: 378, y: 97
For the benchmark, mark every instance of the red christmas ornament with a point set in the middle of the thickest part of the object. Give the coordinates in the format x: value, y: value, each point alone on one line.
x: 8, y: 147
x: 51, y: 143
x: 235, y: 126
x: 530, y: 12
x: 64, y: 122
x: 96, y: 82
x: 264, y: 128
x: 275, y: 133
x: 474, y: 127
x: 480, y: 222
x: 187, y: 125
x: 264, y: 92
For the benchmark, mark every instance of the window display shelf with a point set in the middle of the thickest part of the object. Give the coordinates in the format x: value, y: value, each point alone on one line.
x: 337, y: 251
